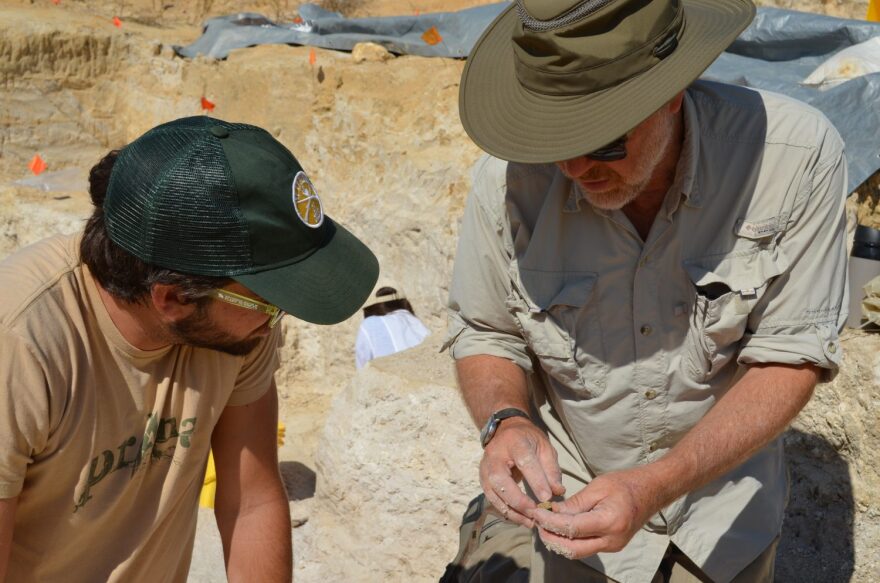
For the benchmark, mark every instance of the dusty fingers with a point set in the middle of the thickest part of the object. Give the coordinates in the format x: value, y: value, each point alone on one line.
x: 519, y: 449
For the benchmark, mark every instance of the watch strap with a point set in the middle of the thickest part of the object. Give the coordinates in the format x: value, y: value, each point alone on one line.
x: 510, y: 412
x: 495, y: 419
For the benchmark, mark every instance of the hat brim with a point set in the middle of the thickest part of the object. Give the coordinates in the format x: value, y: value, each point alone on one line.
x: 326, y: 287
x: 516, y: 124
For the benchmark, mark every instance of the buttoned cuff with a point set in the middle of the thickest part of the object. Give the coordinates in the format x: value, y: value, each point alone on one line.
x: 464, y: 339
x: 818, y: 345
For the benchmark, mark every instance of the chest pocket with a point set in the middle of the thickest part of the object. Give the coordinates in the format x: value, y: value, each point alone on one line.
x: 726, y: 290
x: 559, y: 322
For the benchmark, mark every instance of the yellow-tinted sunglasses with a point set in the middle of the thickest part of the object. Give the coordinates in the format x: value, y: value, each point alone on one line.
x: 224, y: 295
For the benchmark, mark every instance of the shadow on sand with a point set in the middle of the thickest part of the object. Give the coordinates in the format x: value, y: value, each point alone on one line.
x: 299, y: 479
x: 817, y: 535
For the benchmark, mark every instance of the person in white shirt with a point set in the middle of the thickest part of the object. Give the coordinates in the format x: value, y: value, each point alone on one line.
x: 389, y: 326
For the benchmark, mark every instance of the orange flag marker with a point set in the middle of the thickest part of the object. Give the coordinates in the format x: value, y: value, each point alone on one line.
x: 298, y: 19
x: 313, y: 56
x: 116, y: 22
x: 37, y: 165
x: 431, y: 36
x: 56, y: 2
x: 207, y: 105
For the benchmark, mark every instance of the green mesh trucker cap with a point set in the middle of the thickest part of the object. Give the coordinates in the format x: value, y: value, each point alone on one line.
x: 203, y: 196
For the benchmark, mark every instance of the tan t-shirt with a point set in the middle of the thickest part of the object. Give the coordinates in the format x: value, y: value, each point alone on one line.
x: 105, y: 444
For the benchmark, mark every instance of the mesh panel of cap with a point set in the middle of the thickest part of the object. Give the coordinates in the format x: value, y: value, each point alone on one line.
x: 172, y: 201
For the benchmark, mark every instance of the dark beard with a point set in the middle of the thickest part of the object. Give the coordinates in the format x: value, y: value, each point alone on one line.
x: 196, y: 330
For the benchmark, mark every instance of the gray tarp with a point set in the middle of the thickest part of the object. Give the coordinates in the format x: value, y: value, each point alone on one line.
x: 778, y: 50
x: 330, y: 30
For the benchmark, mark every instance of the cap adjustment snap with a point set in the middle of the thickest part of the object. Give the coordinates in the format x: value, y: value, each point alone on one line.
x: 219, y: 131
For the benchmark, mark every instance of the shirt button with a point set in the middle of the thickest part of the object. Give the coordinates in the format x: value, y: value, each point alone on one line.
x: 650, y: 394
x: 652, y: 446
x: 646, y: 330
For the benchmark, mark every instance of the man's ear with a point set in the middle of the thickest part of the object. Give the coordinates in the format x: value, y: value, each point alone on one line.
x: 171, y: 305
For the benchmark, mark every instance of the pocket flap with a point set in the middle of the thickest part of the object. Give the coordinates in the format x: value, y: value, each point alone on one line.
x: 737, y: 272
x: 548, y: 289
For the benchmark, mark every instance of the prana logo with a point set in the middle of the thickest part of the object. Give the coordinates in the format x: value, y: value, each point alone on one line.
x: 158, y: 432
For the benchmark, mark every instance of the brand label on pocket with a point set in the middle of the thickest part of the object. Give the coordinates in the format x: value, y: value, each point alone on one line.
x: 757, y: 229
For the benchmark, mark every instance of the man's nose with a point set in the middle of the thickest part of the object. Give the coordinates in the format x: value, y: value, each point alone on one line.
x: 576, y: 166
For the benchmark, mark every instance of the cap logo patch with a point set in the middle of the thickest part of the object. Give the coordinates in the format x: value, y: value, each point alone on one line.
x: 306, y: 202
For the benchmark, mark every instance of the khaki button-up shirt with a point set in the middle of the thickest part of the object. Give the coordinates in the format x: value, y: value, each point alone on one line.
x: 631, y: 342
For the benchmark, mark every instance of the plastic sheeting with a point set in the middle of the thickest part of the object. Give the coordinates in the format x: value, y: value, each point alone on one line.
x: 871, y: 303
x: 401, y: 35
x: 782, y: 47
x: 777, y: 52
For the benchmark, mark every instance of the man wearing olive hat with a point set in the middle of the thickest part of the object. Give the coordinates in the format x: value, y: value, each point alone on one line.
x: 130, y: 350
x: 649, y: 284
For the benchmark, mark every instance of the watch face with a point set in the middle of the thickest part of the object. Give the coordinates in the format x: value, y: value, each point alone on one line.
x: 489, y: 430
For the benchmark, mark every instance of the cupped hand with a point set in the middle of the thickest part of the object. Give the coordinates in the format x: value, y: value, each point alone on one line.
x: 602, y: 517
x: 519, y: 451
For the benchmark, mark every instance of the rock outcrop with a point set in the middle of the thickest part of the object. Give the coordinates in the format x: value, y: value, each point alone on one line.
x: 397, y: 464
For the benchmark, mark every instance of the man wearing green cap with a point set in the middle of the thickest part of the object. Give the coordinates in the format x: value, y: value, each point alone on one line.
x: 649, y: 284
x: 129, y: 351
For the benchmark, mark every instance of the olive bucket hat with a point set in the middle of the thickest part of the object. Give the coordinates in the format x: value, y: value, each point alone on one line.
x: 202, y: 196
x: 551, y: 80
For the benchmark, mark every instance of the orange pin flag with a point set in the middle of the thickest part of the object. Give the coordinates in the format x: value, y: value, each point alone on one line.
x: 116, y: 22
x: 207, y: 105
x: 56, y: 2
x: 37, y: 165
x: 431, y: 36
x: 313, y: 56
x: 297, y: 19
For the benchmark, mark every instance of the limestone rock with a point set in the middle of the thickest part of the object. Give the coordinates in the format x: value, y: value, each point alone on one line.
x: 396, y: 465
x: 370, y: 52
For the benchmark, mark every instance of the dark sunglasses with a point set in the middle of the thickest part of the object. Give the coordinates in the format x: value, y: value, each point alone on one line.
x: 616, y: 150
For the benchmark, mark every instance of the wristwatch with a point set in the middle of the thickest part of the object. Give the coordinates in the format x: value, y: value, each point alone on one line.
x: 491, y: 426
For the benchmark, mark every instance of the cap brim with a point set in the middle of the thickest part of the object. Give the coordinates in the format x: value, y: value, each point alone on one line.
x: 518, y: 125
x: 326, y: 287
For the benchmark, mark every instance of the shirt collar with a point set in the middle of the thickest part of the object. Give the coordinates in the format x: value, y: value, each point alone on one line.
x: 575, y: 196
x: 686, y: 172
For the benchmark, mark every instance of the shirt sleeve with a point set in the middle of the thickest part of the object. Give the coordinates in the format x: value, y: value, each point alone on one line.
x: 363, y: 352
x: 803, y: 310
x: 24, y: 412
x: 478, y: 319
x: 258, y: 370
